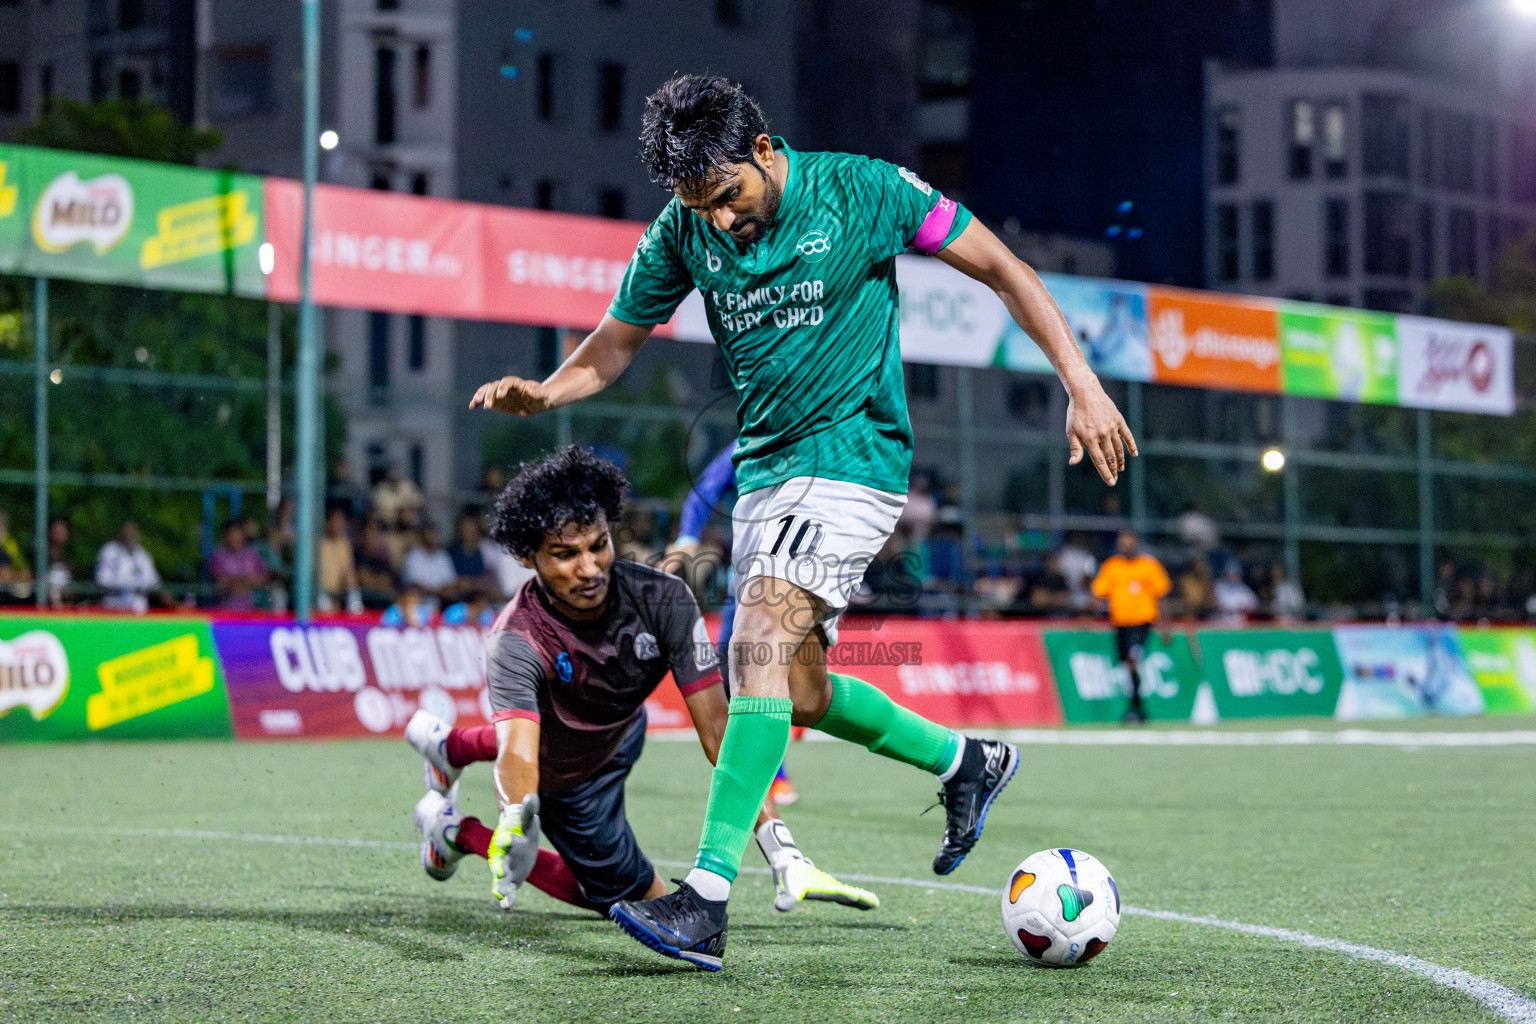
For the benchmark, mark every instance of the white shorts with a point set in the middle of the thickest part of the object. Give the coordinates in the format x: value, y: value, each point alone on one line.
x: 818, y: 534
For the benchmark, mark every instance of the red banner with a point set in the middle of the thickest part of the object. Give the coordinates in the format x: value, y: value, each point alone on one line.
x: 379, y: 250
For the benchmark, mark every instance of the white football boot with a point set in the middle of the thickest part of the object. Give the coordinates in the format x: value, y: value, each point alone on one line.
x: 437, y: 819
x: 429, y: 735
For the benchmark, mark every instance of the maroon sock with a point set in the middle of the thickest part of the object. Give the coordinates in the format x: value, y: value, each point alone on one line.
x: 466, y: 746
x: 474, y: 837
x: 550, y: 873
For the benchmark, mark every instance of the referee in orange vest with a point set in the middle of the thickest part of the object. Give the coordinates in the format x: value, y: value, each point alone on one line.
x: 1132, y: 582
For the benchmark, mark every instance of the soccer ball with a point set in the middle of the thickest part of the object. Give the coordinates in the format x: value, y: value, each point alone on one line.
x: 1061, y: 908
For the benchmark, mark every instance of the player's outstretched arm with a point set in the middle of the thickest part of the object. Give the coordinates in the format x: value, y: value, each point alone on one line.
x: 597, y: 362
x: 515, y: 843
x: 1094, y: 425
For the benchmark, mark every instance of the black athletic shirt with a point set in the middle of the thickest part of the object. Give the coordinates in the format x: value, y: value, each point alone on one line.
x: 585, y: 683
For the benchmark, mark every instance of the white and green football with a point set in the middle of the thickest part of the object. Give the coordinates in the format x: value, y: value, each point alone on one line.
x: 1061, y: 908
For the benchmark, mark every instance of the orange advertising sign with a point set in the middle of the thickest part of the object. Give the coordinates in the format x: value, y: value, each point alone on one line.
x: 1226, y: 343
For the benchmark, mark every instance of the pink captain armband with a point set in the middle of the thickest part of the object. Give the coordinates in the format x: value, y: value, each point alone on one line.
x: 930, y: 237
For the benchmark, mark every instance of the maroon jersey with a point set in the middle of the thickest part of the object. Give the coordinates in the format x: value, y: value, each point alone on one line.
x: 585, y: 683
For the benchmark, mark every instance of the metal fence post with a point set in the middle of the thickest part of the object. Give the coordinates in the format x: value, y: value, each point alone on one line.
x: 308, y: 369
x: 1426, y: 513
x: 40, y: 432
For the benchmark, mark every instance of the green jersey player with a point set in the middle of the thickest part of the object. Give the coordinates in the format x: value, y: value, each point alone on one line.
x: 794, y: 254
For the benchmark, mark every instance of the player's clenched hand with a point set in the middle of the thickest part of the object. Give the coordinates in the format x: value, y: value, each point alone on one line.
x: 513, y: 396
x: 514, y: 848
x: 1095, y: 427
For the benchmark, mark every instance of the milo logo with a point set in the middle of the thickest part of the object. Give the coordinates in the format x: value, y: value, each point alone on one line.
x: 34, y: 673
x: 72, y: 211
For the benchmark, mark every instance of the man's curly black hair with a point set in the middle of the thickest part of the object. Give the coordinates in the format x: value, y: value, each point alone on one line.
x: 694, y: 125
x: 569, y: 486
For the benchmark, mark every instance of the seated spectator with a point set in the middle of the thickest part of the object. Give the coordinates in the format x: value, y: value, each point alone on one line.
x: 413, y: 609
x: 1286, y: 601
x: 403, y: 532
x: 343, y: 492
x: 60, y: 575
x: 395, y: 494
x: 429, y: 569
x: 1078, y: 567
x: 237, y: 570
x: 1045, y: 590
x: 1235, y: 600
x: 920, y: 511
x: 469, y: 561
x: 1194, y: 589
x: 126, y: 571
x: 375, y: 566
x: 338, y: 574
x: 473, y: 611
x: 15, y: 573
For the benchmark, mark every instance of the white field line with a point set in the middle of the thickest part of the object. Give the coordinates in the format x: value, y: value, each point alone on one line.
x: 1284, y: 737
x: 1504, y: 1001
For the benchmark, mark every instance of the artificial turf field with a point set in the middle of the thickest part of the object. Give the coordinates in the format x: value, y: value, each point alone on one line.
x: 145, y: 881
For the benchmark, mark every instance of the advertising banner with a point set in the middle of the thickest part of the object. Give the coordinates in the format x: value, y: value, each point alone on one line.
x: 1093, y: 685
x: 349, y: 680
x: 1340, y: 354
x: 65, y: 678
x: 1109, y: 319
x: 550, y: 268
x: 1263, y: 673
x: 946, y: 317
x: 1503, y: 662
x: 379, y: 250
x: 1404, y: 671
x: 1203, y: 341
x: 133, y: 222
x: 1460, y: 367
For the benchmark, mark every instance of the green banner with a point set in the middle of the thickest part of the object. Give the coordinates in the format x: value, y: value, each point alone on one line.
x: 1093, y: 684
x: 65, y: 678
x: 129, y: 222
x: 1265, y: 673
x: 1338, y: 353
x: 1503, y: 661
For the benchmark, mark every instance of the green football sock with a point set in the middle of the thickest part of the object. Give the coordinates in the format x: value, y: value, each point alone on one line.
x: 862, y: 714
x: 756, y: 736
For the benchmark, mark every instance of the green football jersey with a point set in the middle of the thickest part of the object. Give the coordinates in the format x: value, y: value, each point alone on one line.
x: 806, y: 318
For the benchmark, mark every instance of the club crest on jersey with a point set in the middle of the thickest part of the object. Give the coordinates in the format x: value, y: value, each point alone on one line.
x: 563, y: 667
x: 646, y: 648
x: 813, y: 246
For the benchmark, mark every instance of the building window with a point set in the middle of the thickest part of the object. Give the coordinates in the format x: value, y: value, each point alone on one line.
x: 1335, y: 141
x: 418, y: 463
x: 1384, y: 136
x: 384, y: 96
x: 420, y: 184
x: 1495, y: 241
x: 389, y: 5
x: 1387, y: 234
x: 242, y: 81
x: 1428, y: 137
x: 10, y: 87
x: 1229, y: 124
x: 378, y: 352
x: 1427, y: 255
x: 544, y: 87
x: 1339, y: 299
x: 1389, y: 300
x: 1460, y: 153
x: 1490, y: 160
x: 416, y: 349
x: 130, y: 14
x: 45, y: 87
x: 1263, y: 239
x: 731, y: 13
x: 101, y: 72
x: 1461, y: 242
x: 549, y: 351
x: 380, y: 181
x: 421, y: 77
x: 610, y: 203
x: 130, y: 84
x: 1226, y: 242
x: 544, y: 197
x: 1336, y: 237
x: 610, y: 96
x: 1303, y: 137
x: 1522, y: 163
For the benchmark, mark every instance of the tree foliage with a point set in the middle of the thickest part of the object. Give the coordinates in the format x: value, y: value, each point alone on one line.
x: 138, y: 128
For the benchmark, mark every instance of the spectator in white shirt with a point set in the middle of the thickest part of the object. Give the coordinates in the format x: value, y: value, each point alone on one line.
x: 1287, y: 602
x: 1235, y: 600
x: 126, y: 572
x: 428, y: 568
